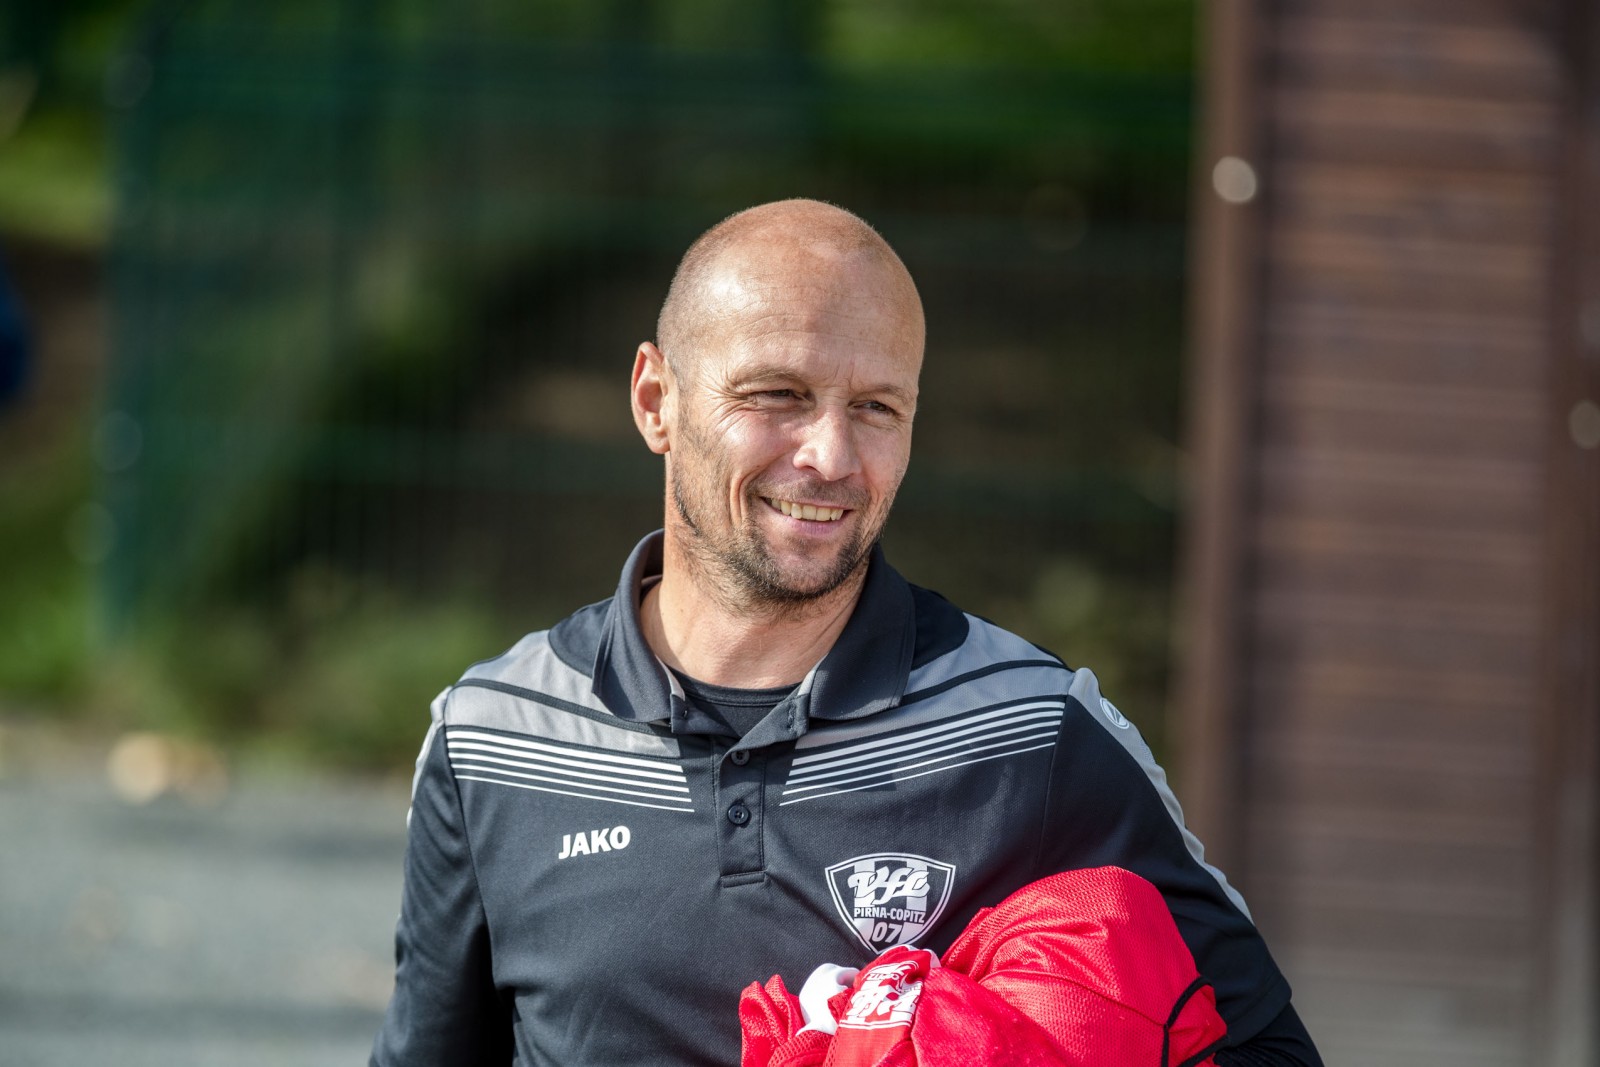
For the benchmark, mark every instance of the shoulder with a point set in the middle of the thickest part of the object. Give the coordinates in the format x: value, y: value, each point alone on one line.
x: 537, y: 683
x: 546, y: 661
x: 529, y: 670
x: 952, y: 645
x: 529, y: 705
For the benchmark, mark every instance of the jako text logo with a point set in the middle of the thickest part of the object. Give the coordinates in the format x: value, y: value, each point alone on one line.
x: 581, y: 844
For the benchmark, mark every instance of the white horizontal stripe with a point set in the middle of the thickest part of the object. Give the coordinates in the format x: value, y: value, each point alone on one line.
x: 953, y: 739
x: 562, y: 781
x: 565, y: 793
x: 863, y: 774
x: 1029, y: 732
x: 518, y: 742
x: 919, y: 774
x: 929, y: 731
x: 526, y: 765
x: 991, y: 690
x: 670, y: 773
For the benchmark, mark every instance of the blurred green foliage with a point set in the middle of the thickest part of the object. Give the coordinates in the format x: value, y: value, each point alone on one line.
x: 330, y: 672
x: 55, y: 172
x: 378, y: 262
x: 45, y: 589
x: 328, y: 668
x: 62, y: 64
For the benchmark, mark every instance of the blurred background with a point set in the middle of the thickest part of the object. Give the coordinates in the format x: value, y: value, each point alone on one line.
x: 1261, y: 378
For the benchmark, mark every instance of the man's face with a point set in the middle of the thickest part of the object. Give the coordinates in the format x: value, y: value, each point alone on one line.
x: 793, y: 430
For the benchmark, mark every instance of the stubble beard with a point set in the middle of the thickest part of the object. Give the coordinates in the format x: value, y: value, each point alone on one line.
x: 741, y: 570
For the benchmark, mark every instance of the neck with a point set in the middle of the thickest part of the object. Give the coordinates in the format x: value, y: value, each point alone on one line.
x: 698, y: 633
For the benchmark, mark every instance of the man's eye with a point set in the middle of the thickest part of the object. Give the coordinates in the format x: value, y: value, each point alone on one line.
x: 777, y: 394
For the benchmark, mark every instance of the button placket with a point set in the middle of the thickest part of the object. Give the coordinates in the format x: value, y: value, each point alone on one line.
x: 740, y: 795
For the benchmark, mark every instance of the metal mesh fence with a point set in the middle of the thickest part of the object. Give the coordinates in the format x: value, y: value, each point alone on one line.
x: 379, y: 274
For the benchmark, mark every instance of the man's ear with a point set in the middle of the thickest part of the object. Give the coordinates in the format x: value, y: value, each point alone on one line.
x: 652, y: 398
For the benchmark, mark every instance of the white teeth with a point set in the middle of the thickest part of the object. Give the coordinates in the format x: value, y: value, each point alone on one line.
x: 807, y: 511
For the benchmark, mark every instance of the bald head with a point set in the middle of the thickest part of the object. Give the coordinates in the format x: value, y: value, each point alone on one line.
x: 787, y: 243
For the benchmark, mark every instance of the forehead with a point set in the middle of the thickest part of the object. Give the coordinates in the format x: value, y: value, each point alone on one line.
x: 839, y: 319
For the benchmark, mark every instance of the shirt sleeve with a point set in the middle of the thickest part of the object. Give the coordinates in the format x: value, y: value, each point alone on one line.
x: 445, y: 1008
x: 1283, y: 1043
x: 1110, y: 805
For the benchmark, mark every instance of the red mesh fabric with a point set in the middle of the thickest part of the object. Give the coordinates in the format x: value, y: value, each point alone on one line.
x: 769, y: 1017
x: 802, y: 1050
x: 961, y: 1024
x: 1081, y: 968
x: 1095, y: 959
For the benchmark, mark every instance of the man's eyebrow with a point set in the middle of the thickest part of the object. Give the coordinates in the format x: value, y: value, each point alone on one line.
x: 775, y: 372
x: 765, y: 372
x: 895, y: 391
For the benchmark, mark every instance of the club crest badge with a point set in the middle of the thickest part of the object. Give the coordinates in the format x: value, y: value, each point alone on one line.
x: 890, y: 898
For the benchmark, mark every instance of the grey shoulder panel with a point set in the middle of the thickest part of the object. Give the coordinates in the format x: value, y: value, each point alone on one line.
x: 532, y: 664
x: 986, y: 646
x: 435, y: 718
x: 529, y: 690
x: 1086, y: 691
x: 523, y: 713
x: 990, y: 668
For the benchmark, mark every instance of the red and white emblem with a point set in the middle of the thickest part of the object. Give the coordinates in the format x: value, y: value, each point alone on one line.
x: 879, y: 1013
x: 885, y: 996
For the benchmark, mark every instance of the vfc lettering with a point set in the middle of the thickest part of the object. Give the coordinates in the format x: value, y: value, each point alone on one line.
x: 581, y: 844
x: 885, y: 883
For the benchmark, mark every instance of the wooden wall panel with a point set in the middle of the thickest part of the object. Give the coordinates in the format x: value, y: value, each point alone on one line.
x: 1331, y: 702
x: 1337, y: 47
x: 1407, y: 345
x: 1568, y: 989
x: 1329, y: 557
x: 1426, y: 17
x: 1388, y: 601
x: 1371, y: 127
x: 1333, y: 413
x: 1394, y: 490
x: 1414, y: 204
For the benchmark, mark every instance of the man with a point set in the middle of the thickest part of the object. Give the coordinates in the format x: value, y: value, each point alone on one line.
x: 767, y: 750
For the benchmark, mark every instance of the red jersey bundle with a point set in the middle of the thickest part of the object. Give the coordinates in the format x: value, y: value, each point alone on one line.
x: 1084, y: 967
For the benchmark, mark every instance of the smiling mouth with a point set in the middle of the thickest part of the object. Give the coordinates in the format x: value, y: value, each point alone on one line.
x: 805, y: 511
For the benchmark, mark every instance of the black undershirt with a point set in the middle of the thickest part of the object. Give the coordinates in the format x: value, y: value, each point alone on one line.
x: 736, y: 710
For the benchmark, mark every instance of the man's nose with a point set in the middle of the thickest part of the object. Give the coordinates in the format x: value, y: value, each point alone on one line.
x: 829, y: 446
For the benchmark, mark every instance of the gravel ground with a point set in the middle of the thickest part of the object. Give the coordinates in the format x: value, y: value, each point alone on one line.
x: 253, y: 928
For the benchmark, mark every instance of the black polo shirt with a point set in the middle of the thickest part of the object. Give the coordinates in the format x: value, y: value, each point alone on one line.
x: 595, y: 868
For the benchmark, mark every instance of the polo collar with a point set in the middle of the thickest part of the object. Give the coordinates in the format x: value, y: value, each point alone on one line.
x: 865, y: 671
